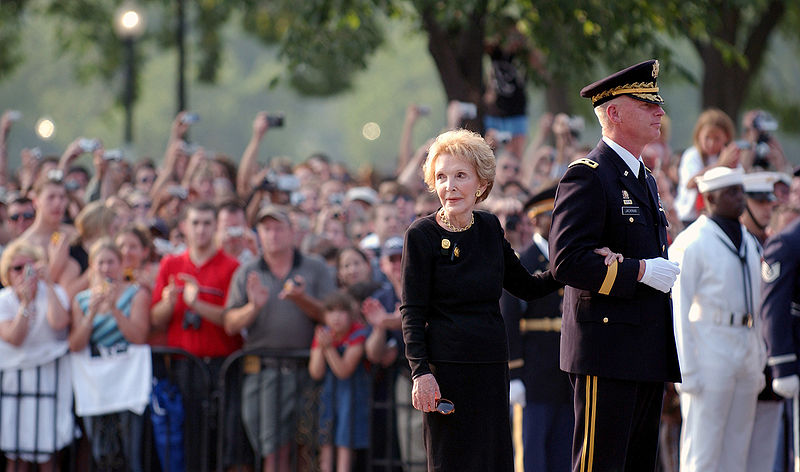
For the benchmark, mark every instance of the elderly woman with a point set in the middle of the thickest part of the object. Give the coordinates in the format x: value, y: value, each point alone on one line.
x: 36, y: 409
x: 456, y: 264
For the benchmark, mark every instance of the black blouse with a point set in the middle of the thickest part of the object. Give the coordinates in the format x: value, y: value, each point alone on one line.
x: 452, y: 283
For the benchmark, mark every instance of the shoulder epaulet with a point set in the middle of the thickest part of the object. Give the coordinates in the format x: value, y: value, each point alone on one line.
x: 585, y: 161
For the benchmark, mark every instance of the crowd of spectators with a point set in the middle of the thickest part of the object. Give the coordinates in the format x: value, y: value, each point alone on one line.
x: 195, y: 251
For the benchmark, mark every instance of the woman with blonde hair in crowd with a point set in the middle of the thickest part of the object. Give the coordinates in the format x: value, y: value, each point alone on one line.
x: 111, y: 378
x: 36, y: 418
x: 95, y: 221
x: 713, y: 147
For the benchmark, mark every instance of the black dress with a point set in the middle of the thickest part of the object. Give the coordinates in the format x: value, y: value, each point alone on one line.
x: 452, y: 327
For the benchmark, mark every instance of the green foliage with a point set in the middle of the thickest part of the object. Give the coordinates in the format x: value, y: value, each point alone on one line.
x: 10, y: 27
x: 324, y: 43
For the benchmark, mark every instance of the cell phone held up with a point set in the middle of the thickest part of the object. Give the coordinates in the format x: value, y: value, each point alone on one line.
x: 190, y: 118
x: 275, y: 120
x: 88, y: 145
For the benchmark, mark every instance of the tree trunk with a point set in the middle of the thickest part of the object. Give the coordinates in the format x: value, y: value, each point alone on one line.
x: 726, y: 82
x: 556, y: 97
x: 459, y: 60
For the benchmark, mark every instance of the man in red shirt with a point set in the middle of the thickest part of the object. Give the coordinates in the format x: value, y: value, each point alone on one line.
x: 188, y: 300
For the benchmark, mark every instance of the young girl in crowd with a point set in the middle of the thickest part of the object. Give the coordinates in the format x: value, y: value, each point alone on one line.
x: 337, y: 358
x: 352, y: 267
x: 111, y: 379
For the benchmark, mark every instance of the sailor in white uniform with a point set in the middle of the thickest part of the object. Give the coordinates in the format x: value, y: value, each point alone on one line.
x: 720, y: 348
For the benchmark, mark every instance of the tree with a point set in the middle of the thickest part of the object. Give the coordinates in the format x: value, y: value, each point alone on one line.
x: 11, y: 13
x: 324, y: 43
x: 731, y: 38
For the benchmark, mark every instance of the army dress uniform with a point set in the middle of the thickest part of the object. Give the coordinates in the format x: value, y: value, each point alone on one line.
x: 617, y: 338
x: 534, y: 333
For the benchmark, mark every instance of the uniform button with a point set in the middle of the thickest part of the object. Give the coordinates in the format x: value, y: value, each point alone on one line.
x: 561, y: 292
x: 630, y: 219
x: 605, y: 319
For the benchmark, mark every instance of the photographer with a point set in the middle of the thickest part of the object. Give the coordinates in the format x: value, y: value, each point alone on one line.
x: 761, y: 150
x: 234, y: 235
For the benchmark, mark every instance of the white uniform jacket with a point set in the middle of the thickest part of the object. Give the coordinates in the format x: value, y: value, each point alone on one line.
x: 716, y: 302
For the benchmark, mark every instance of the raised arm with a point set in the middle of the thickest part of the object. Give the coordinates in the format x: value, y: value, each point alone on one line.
x: 247, y: 166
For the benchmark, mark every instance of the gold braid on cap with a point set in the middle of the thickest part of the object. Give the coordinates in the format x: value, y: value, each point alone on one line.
x: 636, y: 87
x: 544, y: 206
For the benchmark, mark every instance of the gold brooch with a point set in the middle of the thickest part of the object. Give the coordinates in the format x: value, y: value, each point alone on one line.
x: 456, y: 252
x: 445, y: 244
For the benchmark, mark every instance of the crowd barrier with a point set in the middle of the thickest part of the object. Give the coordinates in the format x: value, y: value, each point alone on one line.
x: 215, y: 384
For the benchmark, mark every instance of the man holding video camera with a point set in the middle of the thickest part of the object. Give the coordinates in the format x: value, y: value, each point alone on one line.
x: 762, y: 149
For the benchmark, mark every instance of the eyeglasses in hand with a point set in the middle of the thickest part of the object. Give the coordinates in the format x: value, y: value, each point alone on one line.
x: 445, y: 406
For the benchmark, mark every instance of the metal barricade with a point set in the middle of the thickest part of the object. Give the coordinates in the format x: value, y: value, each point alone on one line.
x: 383, y: 453
x: 29, y: 399
x: 208, y: 385
x: 192, y: 376
x: 276, y: 380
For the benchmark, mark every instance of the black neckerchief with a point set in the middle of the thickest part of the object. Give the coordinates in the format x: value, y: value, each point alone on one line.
x: 731, y: 227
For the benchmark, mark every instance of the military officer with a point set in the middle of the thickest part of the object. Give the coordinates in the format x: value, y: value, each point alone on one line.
x: 534, y: 330
x: 617, y: 341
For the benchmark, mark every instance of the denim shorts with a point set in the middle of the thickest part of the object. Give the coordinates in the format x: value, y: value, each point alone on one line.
x: 516, y: 125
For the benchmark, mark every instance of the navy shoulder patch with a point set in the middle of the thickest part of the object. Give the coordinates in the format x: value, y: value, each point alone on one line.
x: 585, y: 161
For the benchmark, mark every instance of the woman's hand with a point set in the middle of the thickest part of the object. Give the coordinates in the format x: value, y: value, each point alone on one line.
x: 97, y: 298
x: 610, y: 255
x: 729, y: 156
x: 425, y: 393
x: 27, y: 290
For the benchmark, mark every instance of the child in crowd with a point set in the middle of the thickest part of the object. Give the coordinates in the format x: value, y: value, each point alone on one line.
x: 337, y: 358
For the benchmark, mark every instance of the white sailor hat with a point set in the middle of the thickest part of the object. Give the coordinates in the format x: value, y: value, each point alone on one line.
x: 761, y: 185
x: 720, y: 177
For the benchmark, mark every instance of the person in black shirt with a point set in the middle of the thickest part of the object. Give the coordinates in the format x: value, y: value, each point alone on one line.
x: 456, y: 264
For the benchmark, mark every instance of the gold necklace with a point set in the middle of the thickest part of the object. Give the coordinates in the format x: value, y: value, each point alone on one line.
x: 455, y: 229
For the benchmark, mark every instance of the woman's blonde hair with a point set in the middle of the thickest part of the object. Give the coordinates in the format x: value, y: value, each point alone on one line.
x: 715, y: 118
x: 94, y: 220
x: 103, y: 244
x: 17, y: 248
x: 466, y: 145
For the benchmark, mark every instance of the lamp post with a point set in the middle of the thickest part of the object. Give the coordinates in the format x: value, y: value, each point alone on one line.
x: 129, y: 25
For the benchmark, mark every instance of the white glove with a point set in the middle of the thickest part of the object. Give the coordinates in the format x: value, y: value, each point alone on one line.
x: 690, y: 385
x: 787, y: 387
x: 516, y: 393
x: 660, y: 273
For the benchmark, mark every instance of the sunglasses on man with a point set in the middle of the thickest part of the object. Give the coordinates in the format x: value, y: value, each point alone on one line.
x: 28, y: 215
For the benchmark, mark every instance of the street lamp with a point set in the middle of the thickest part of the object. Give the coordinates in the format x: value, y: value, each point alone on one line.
x: 129, y: 25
